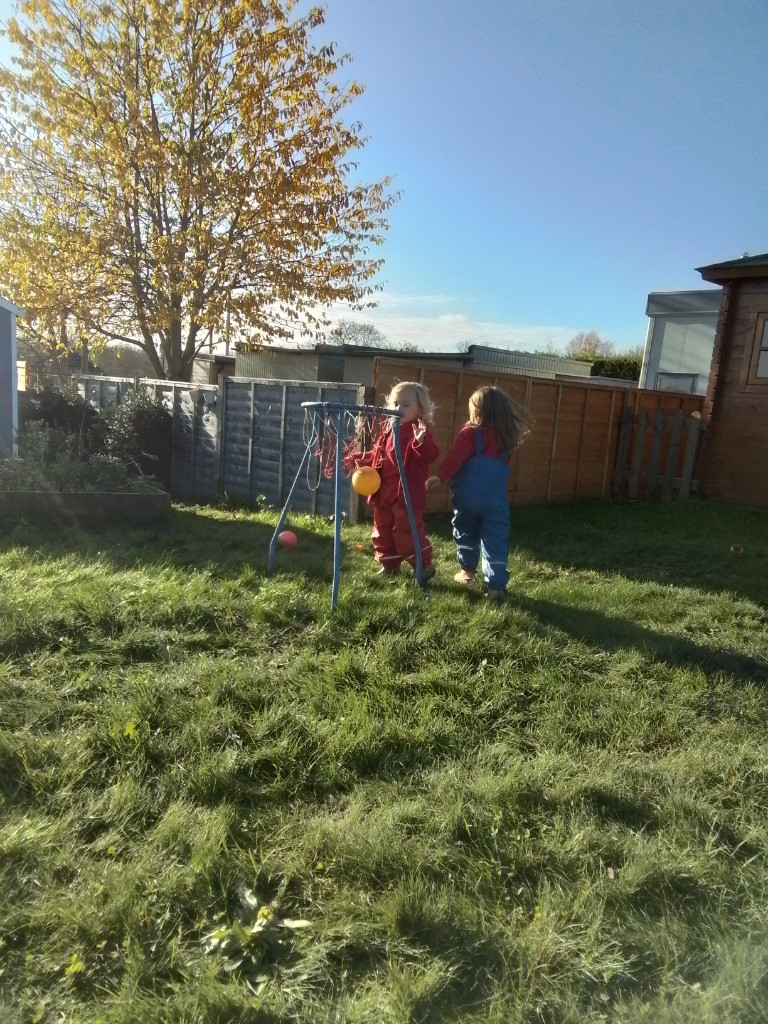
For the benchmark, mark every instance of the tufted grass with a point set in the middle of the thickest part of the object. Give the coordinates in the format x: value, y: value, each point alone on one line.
x: 221, y: 803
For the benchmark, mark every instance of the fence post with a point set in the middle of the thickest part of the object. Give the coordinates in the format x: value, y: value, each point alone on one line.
x: 174, y: 439
x: 520, y: 450
x: 691, y: 444
x: 653, y: 463
x: 587, y: 393
x: 221, y: 422
x: 193, y: 474
x: 554, y: 441
x: 250, y: 446
x: 638, y: 447
x: 281, y: 462
x: 608, y: 432
x: 627, y: 420
x: 672, y: 456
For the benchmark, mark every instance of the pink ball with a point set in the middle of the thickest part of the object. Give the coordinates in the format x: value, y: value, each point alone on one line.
x: 287, y: 539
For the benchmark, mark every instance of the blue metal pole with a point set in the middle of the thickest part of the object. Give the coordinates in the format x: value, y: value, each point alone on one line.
x: 286, y: 508
x: 337, y: 512
x: 407, y: 496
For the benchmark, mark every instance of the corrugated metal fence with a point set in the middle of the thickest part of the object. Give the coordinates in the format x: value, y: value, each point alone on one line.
x: 243, y: 439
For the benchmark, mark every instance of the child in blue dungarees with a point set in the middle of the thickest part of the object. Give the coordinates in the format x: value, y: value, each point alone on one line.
x: 478, y: 468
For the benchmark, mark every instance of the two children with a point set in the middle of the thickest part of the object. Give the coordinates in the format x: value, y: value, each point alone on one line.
x: 478, y: 468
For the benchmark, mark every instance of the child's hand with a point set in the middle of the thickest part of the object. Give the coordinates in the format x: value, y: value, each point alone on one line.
x: 433, y: 482
x: 419, y: 430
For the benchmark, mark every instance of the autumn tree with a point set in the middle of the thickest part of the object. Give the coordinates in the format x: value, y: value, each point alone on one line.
x: 180, y: 170
x: 588, y: 346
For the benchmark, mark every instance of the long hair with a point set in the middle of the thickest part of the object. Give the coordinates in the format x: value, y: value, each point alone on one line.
x: 492, y: 407
x: 426, y: 404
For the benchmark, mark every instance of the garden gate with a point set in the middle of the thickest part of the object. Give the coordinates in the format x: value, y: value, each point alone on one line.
x: 656, y: 454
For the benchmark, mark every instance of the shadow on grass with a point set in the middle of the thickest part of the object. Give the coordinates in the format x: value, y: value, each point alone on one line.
x: 611, y: 634
x: 682, y: 543
x: 187, y: 539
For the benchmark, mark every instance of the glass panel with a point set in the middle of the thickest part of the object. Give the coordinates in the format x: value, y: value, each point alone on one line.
x: 762, y: 364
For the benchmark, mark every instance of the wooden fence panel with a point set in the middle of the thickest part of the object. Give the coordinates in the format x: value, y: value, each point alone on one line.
x: 584, y: 441
x: 580, y: 433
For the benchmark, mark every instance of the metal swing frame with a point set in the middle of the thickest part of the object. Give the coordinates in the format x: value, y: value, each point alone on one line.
x: 340, y: 411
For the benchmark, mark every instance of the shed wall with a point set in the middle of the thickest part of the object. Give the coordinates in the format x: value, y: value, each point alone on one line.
x: 736, y: 450
x: 8, y: 388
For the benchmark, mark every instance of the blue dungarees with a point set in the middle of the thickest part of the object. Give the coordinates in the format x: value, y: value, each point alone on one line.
x: 481, y: 514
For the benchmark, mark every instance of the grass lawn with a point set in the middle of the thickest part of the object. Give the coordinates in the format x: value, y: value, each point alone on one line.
x: 221, y: 803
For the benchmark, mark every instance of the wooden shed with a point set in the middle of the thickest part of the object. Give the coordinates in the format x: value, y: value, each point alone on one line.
x: 8, y: 387
x: 735, y: 454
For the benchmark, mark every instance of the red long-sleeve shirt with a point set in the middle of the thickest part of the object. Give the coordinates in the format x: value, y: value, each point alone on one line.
x: 465, y: 446
x: 417, y: 456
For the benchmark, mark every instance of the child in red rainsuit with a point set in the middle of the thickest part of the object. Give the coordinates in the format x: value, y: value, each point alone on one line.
x: 392, y: 538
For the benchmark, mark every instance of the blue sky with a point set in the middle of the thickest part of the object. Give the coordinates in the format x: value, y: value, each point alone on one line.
x: 558, y: 159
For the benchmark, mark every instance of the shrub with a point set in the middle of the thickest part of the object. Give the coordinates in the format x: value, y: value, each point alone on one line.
x: 52, y: 460
x: 625, y: 367
x: 60, y: 433
x: 64, y: 409
x: 141, y: 434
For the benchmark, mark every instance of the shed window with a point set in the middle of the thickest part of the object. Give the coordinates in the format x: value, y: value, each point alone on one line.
x: 762, y: 359
x: 684, y: 382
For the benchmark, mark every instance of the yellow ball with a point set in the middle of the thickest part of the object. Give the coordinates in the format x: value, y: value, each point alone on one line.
x: 366, y: 480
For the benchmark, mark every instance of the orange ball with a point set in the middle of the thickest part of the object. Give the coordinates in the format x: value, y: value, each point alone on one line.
x: 366, y: 480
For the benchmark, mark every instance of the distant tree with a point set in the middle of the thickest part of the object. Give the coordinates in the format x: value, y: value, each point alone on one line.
x: 635, y: 352
x: 588, y: 346
x: 172, y: 169
x: 354, y: 332
x: 408, y: 346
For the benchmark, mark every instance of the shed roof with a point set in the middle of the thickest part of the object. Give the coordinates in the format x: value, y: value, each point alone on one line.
x: 747, y: 266
x: 10, y: 308
x: 705, y: 300
x: 216, y: 357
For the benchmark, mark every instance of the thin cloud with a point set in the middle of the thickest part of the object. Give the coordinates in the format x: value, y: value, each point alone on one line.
x: 449, y: 331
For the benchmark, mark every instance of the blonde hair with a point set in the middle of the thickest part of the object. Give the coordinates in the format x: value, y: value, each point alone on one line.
x: 421, y: 394
x: 492, y: 407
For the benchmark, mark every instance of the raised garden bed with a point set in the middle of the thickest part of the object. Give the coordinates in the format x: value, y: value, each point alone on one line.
x: 85, y: 508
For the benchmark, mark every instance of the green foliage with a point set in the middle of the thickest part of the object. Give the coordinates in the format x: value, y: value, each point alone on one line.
x: 66, y: 444
x: 52, y: 460
x: 624, y: 367
x: 65, y: 410
x: 246, y: 207
x: 140, y: 433
x: 222, y: 804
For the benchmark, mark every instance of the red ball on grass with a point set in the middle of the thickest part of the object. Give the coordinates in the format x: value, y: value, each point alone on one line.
x: 287, y: 539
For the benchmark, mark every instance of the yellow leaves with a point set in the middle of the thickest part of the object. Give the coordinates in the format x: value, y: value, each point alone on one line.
x: 197, y: 151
